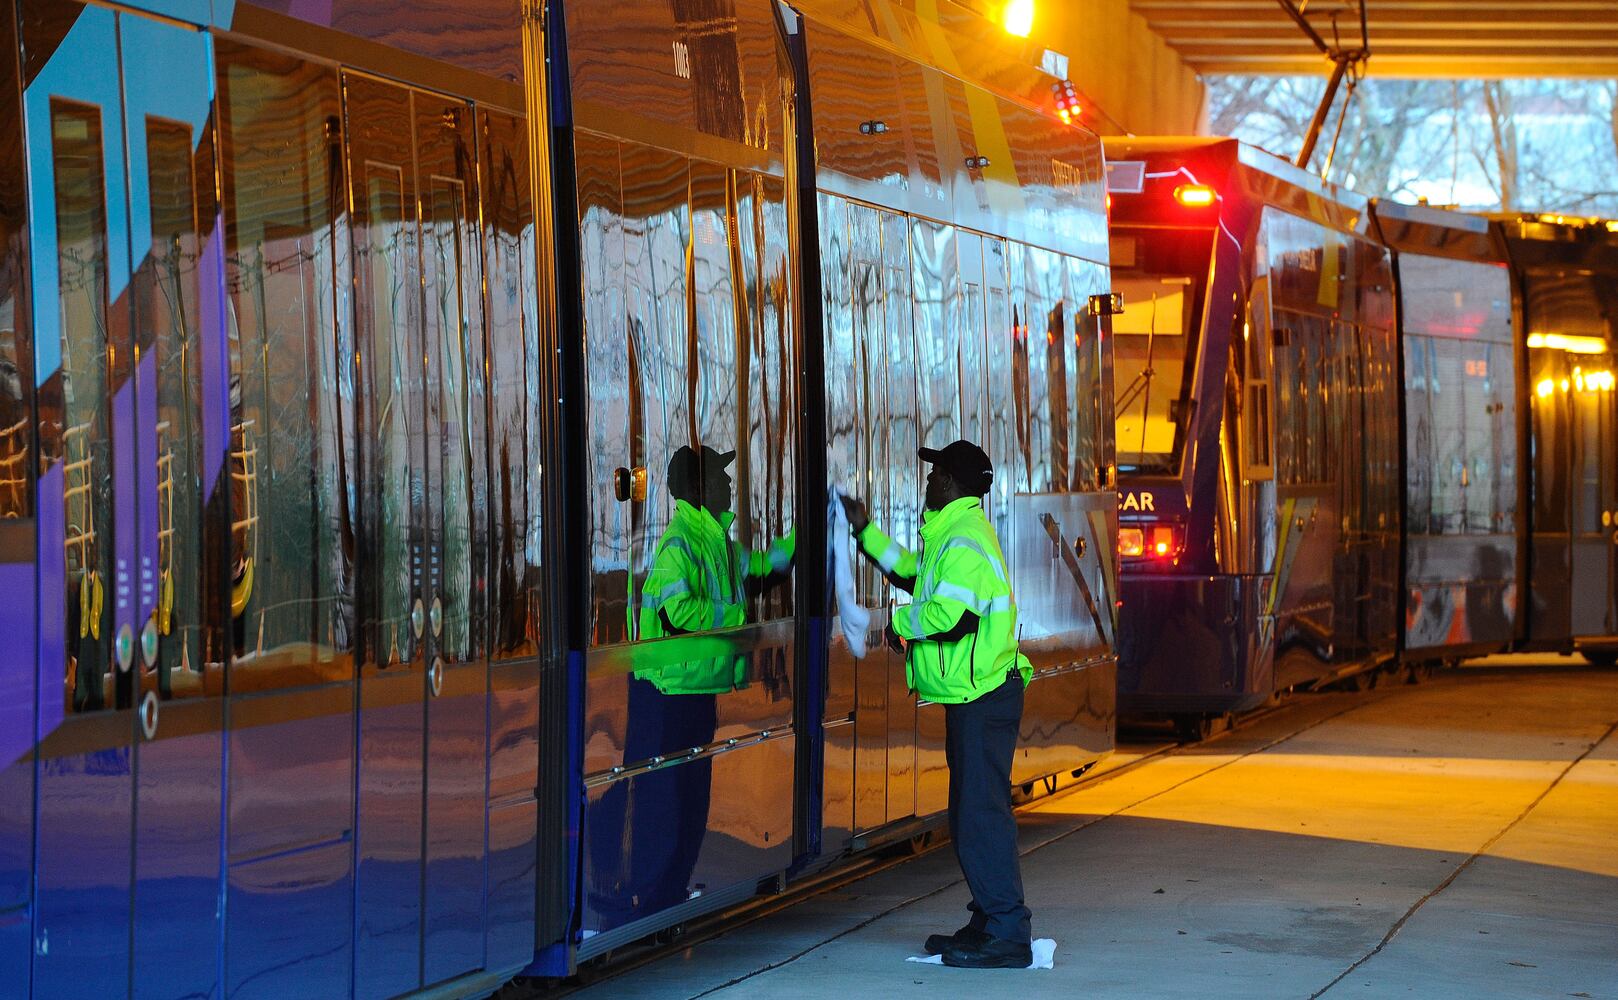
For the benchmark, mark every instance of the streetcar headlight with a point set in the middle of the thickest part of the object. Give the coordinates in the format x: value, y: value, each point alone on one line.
x: 1131, y: 542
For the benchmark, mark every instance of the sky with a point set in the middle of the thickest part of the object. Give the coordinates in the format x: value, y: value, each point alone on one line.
x: 1517, y: 145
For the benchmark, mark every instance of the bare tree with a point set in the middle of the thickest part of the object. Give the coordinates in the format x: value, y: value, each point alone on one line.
x: 1503, y: 136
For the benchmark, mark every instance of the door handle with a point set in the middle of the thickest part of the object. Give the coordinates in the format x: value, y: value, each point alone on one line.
x: 435, y: 616
x: 148, y: 715
x: 435, y: 676
x: 418, y: 618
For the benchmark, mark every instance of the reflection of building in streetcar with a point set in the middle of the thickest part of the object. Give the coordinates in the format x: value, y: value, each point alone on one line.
x: 76, y: 497
x: 79, y: 532
x: 13, y: 468
x: 244, y: 523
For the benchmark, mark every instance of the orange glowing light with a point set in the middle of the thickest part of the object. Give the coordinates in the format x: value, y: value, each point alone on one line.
x: 1019, y: 18
x: 1195, y: 195
x: 1131, y: 542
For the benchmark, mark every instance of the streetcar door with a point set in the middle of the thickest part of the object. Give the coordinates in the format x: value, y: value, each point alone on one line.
x: 87, y: 560
x: 174, y: 336
x: 1595, y: 497
x: 393, y: 588
x: 424, y: 672
x: 457, y: 526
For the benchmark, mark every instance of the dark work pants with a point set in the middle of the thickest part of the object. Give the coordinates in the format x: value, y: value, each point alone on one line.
x: 980, y: 738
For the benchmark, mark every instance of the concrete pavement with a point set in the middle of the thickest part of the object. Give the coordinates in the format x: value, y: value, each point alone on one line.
x: 1453, y: 839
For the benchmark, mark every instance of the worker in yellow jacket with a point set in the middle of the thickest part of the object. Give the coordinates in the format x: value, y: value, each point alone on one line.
x: 959, y: 638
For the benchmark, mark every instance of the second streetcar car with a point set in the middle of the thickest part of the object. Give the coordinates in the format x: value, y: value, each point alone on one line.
x: 1256, y: 399
x: 1312, y: 491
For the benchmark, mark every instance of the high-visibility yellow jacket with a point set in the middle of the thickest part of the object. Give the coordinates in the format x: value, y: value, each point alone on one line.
x: 698, y: 583
x: 960, y: 569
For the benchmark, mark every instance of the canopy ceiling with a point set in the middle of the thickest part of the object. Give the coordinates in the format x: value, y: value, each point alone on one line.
x: 1409, y: 38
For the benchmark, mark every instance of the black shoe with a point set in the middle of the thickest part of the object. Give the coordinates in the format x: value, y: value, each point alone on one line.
x: 994, y: 953
x: 937, y: 944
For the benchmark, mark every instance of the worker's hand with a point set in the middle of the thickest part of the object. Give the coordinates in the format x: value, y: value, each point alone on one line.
x: 858, y: 516
x: 894, y: 639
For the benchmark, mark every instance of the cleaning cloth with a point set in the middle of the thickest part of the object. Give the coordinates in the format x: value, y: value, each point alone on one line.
x: 855, y: 617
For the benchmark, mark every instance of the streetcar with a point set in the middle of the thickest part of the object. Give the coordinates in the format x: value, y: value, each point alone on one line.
x: 354, y: 360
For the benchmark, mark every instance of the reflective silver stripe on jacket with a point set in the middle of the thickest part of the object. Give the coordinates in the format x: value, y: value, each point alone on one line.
x: 890, y: 557
x: 928, y: 582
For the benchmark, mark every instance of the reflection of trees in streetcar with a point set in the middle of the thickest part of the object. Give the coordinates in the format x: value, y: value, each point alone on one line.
x: 459, y: 375
x: 285, y: 374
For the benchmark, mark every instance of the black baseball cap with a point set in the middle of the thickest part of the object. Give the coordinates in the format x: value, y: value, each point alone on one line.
x: 686, y: 467
x: 965, y: 462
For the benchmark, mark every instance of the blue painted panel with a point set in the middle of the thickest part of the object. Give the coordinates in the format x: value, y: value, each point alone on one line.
x: 302, y: 762
x: 291, y: 917
x: 513, y: 817
x: 81, y: 928
x: 457, y: 806
x: 193, y: 11
x: 290, y: 888
x: 512, y: 843
x: 177, y: 878
x: 1194, y: 644
x: 77, y: 69
x: 387, y: 898
x: 16, y: 773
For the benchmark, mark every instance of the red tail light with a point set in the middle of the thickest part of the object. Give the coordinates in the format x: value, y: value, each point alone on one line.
x: 1150, y: 540
x: 1195, y: 195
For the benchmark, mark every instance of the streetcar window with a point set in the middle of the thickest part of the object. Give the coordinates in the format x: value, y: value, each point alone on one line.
x: 1090, y: 436
x: 688, y: 348
x: 291, y: 378
x: 514, y: 382
x: 16, y: 362
x: 1460, y: 398
x: 85, y: 444
x: 166, y: 318
x: 1155, y: 345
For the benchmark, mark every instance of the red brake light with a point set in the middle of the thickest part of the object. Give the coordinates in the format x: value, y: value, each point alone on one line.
x: 1162, y: 540
x: 1195, y: 195
x: 1150, y: 540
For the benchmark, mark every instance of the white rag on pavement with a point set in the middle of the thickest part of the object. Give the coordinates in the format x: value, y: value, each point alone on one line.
x: 856, y: 618
x: 1044, y: 956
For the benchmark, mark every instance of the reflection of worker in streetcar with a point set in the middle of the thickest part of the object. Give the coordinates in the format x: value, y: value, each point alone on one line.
x: 700, y: 580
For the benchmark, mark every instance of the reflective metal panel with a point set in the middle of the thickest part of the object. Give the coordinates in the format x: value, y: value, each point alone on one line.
x: 517, y: 523
x: 933, y: 275
x: 457, y: 527
x: 966, y: 314
x: 291, y: 469
x: 692, y: 75
x: 669, y: 835
x: 393, y: 357
x: 486, y: 36
x: 177, y: 332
